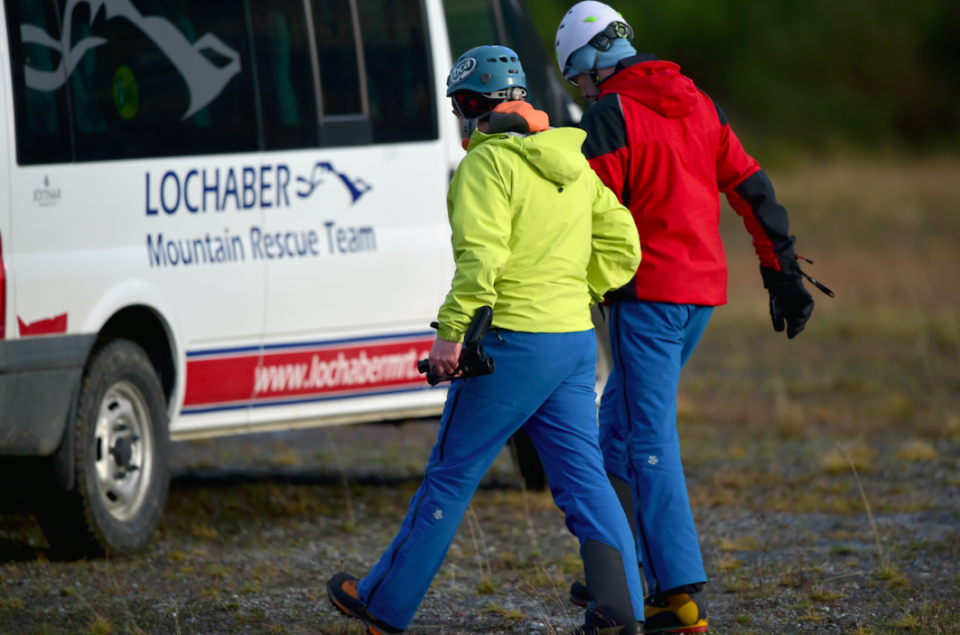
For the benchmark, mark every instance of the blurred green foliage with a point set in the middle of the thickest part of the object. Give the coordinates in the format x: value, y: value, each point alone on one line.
x: 824, y: 77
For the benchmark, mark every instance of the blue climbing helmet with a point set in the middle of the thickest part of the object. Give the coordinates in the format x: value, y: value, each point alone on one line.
x: 483, y: 77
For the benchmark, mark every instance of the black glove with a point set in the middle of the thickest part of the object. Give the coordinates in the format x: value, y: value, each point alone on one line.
x: 790, y: 301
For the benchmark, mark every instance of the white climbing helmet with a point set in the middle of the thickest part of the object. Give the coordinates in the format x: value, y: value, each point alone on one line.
x: 583, y: 22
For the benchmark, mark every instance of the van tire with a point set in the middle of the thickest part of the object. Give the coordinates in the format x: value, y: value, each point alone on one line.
x: 121, y: 450
x: 528, y: 462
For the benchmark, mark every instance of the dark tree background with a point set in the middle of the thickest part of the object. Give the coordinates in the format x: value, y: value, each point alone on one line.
x: 823, y: 77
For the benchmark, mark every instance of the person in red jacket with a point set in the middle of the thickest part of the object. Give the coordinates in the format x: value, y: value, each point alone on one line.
x: 667, y: 151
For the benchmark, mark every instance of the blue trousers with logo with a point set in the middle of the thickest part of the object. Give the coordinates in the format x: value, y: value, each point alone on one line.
x: 651, y: 343
x: 543, y: 380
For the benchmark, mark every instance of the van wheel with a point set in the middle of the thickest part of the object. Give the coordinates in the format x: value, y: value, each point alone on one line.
x: 120, y: 458
x: 528, y: 461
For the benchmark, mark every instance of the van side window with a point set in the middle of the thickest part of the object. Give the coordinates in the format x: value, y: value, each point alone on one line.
x: 162, y: 78
x: 470, y: 23
x: 523, y: 38
x: 399, y: 72
x: 39, y: 82
x: 337, y: 49
x: 281, y: 47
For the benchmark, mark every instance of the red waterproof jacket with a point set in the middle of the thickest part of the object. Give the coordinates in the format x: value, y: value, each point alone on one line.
x: 666, y: 150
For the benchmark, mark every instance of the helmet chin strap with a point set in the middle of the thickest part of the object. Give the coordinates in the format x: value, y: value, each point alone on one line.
x: 594, y: 72
x: 468, y: 124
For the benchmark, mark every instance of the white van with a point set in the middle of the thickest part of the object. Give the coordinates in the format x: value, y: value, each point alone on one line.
x: 216, y: 218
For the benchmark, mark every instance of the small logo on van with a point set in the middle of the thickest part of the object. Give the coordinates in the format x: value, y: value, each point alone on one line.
x: 463, y: 70
x: 46, y: 196
x: 357, y: 187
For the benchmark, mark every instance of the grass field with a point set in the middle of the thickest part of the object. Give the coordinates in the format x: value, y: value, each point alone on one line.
x: 794, y: 539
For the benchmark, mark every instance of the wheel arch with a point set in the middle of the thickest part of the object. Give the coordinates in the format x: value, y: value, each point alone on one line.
x: 140, y: 312
x: 145, y: 327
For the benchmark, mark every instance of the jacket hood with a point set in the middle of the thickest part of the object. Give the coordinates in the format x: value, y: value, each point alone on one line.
x: 656, y: 84
x: 555, y: 154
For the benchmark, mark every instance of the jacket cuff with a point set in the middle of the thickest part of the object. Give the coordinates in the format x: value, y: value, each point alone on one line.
x: 450, y: 334
x: 773, y: 279
x: 787, y: 256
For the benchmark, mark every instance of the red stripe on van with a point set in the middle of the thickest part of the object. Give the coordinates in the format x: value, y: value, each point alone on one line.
x: 49, y: 326
x: 314, y: 371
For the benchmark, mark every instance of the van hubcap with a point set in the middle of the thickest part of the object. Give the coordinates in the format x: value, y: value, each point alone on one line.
x: 124, y: 450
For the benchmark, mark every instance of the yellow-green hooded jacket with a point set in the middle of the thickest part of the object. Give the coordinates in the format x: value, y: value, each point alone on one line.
x: 536, y: 235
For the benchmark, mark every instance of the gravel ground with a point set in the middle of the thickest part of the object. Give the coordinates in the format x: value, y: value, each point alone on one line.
x: 247, y: 546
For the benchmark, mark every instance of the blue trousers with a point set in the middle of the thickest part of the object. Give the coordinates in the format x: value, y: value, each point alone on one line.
x: 651, y: 343
x: 543, y: 380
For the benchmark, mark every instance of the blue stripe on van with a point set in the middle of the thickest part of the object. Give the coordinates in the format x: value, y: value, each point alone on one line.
x: 278, y: 347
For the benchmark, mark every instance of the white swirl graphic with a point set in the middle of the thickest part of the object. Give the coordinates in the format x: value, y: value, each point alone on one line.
x: 205, y: 80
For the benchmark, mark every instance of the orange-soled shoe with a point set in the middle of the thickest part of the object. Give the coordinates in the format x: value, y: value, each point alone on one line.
x: 342, y: 591
x: 680, y: 613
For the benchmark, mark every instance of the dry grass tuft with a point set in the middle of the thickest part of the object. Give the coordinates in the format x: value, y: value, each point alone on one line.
x: 736, y: 586
x: 744, y: 543
x: 99, y: 626
x: 536, y: 577
x: 204, y: 531
x: 177, y: 556
x: 900, y: 406
x: 833, y: 462
x: 812, y: 616
x: 820, y: 594
x: 727, y: 563
x: 571, y: 564
x: 952, y: 429
x: 486, y: 586
x: 504, y: 613
x: 916, y: 450
x: 10, y: 604
x: 907, y: 621
x: 891, y: 575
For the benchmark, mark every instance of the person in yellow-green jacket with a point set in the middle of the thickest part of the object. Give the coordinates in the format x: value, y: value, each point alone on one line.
x: 537, y: 237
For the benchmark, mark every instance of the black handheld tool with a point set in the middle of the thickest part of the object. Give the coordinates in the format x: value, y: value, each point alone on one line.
x: 474, y: 362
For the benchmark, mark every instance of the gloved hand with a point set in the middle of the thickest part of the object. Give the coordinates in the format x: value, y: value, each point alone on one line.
x: 790, y: 302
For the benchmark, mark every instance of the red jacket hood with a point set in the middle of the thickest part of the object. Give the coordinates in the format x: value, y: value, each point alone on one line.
x: 657, y: 85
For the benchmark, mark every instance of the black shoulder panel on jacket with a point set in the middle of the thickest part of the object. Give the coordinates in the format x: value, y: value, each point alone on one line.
x: 636, y: 59
x: 605, y: 126
x: 720, y: 114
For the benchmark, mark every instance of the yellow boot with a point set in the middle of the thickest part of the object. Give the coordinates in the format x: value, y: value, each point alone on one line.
x: 679, y: 613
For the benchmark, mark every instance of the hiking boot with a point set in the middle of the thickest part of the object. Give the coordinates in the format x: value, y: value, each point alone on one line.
x: 680, y: 613
x: 579, y: 594
x: 595, y: 624
x: 342, y: 591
